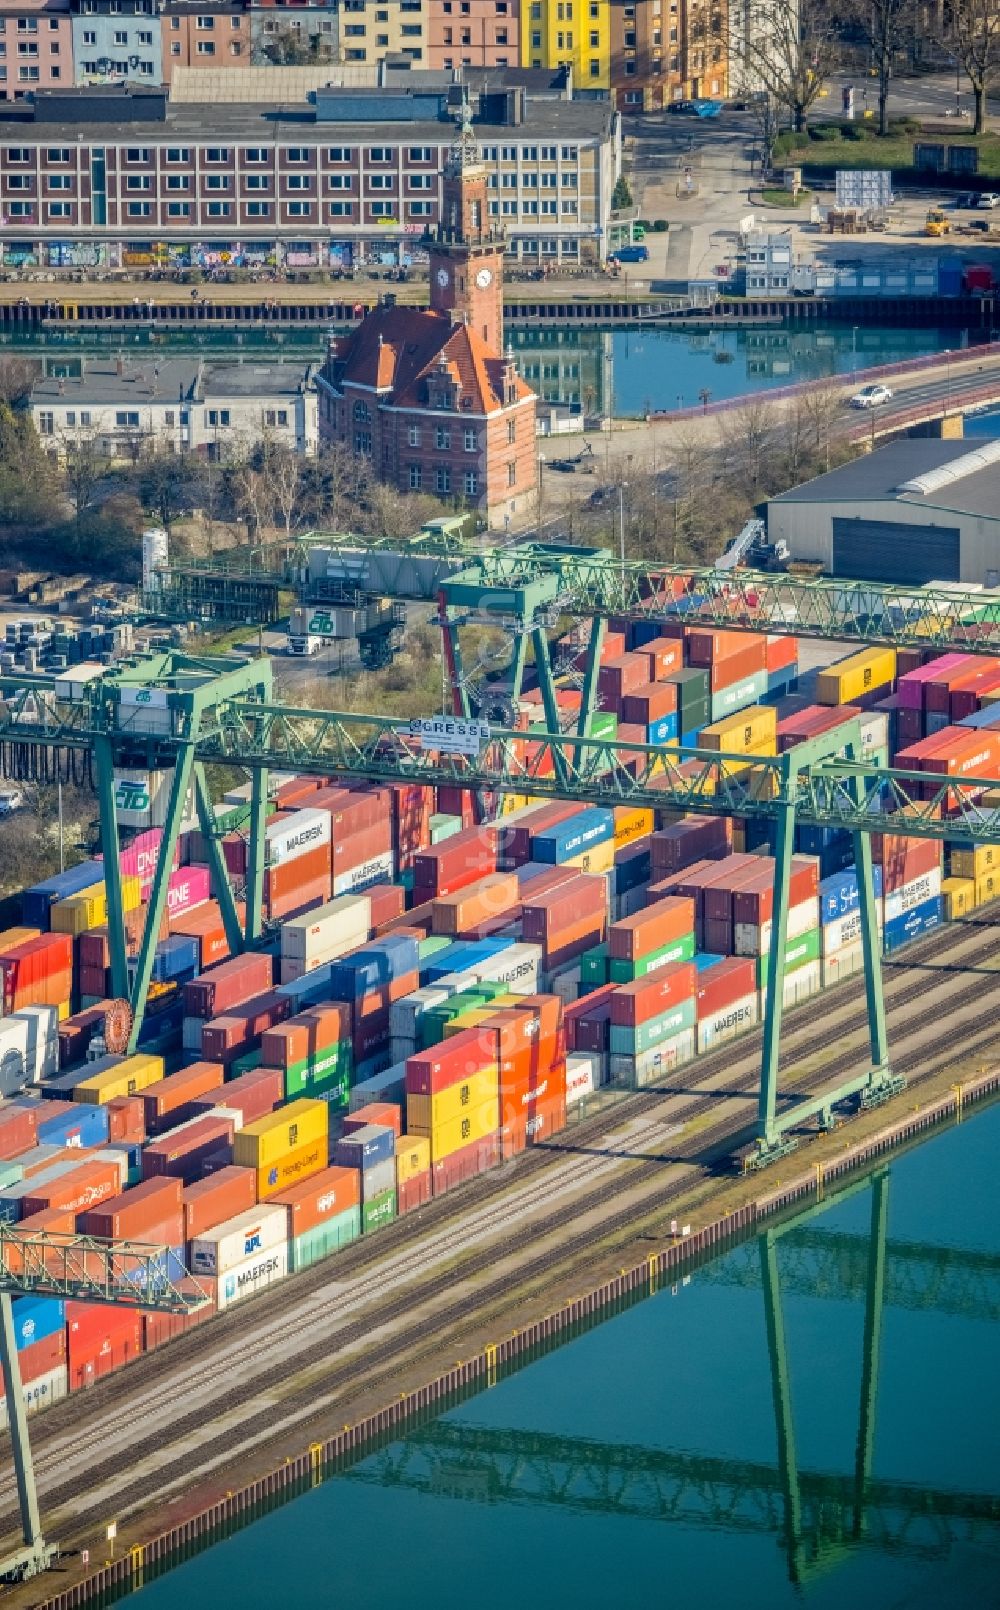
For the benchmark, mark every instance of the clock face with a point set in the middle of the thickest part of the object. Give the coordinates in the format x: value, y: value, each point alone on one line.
x: 442, y: 276
x: 484, y: 279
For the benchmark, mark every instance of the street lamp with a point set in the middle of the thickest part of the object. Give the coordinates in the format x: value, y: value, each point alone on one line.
x: 621, y: 510
x: 947, y: 367
x: 541, y: 488
x: 854, y: 350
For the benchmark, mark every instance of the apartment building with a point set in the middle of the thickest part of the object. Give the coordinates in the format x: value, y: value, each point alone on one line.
x: 123, y: 176
x: 300, y: 33
x: 667, y: 50
x: 204, y: 34
x: 36, y: 47
x: 473, y: 33
x: 569, y: 33
x: 117, y: 42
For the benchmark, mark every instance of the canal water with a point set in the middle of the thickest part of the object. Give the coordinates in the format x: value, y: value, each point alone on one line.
x: 639, y: 1463
x: 621, y: 372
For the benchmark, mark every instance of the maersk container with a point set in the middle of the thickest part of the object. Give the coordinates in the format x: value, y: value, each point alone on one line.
x: 653, y: 1065
x: 912, y: 925
x: 37, y: 1317
x: 380, y: 1211
x: 326, y: 1238
x: 835, y: 936
x: 365, y: 1147
x: 255, y: 1274
x: 912, y: 895
x: 728, y: 1024
x: 570, y: 838
x: 839, y: 896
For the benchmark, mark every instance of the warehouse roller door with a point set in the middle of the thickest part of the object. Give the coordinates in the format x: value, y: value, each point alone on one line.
x: 889, y: 550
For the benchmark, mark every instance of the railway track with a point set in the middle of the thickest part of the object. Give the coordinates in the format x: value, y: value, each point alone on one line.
x: 695, y: 1156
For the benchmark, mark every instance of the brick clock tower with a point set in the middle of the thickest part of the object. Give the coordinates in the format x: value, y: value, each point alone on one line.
x: 466, y: 253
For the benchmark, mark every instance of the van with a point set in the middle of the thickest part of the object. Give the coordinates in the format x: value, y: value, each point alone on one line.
x: 630, y: 254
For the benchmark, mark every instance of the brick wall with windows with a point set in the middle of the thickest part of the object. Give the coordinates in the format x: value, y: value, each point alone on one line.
x: 36, y: 47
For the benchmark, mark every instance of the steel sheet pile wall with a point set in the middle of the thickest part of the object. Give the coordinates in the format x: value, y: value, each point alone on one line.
x: 442, y: 993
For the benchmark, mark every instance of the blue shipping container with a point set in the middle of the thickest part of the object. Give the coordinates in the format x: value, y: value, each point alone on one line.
x: 175, y: 956
x: 374, y: 1143
x: 705, y: 958
x: 630, y: 870
x: 838, y: 894
x: 988, y: 716
x: 37, y: 902
x: 35, y: 1318
x: 374, y: 966
x: 913, y: 924
x: 663, y: 731
x: 572, y: 837
x: 86, y: 1126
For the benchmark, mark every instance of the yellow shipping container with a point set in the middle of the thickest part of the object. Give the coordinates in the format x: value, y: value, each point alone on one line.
x: 749, y: 732
x: 469, y: 1020
x: 77, y: 913
x: 599, y: 858
x: 62, y: 1011
x: 124, y: 1079
x: 413, y: 1157
x: 265, y: 1140
x: 17, y: 936
x: 631, y: 824
x: 739, y: 838
x: 975, y: 862
x: 987, y: 888
x: 291, y: 1167
x: 959, y: 896
x: 131, y: 894
x: 424, y: 1114
x: 859, y: 674
x: 992, y: 697
x: 478, y: 1123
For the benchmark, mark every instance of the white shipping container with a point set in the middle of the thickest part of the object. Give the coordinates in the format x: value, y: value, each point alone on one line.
x: 566, y: 983
x: 238, y: 1239
x: 911, y: 895
x: 119, y: 1156
x: 650, y: 1066
x: 338, y: 926
x: 799, y: 986
x: 749, y: 939
x: 377, y: 869
x: 845, y: 931
x: 294, y: 836
x: 232, y: 1113
x: 14, y: 1072
x: 516, y: 967
x: 404, y: 1015
x: 381, y: 1087
x: 38, y: 1394
x: 579, y: 1077
x: 43, y: 1039
x: 728, y: 1024
x: 255, y: 1274
x: 843, y: 963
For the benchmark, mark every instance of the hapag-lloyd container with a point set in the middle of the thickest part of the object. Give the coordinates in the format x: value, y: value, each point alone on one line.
x: 238, y: 1239
x: 254, y: 1274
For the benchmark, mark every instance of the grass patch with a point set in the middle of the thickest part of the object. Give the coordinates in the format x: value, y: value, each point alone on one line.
x: 784, y: 198
x: 872, y: 150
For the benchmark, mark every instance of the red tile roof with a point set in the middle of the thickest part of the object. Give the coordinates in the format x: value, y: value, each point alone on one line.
x: 395, y: 348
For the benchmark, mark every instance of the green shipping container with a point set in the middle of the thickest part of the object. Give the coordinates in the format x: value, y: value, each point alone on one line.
x: 626, y: 972
x: 594, y: 966
x: 379, y: 1211
x: 444, y: 827
x: 10, y: 1174
x: 604, y: 725
x: 326, y: 1238
x: 626, y: 1042
x: 798, y: 952
x: 432, y: 944
x: 245, y: 1064
x: 329, y: 1070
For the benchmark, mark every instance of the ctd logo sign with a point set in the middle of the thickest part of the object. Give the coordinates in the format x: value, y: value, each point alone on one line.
x: 321, y: 624
x: 144, y: 696
x: 131, y: 795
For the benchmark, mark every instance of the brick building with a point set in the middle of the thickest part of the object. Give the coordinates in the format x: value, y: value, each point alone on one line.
x: 204, y: 34
x: 473, y: 33
x: 36, y: 47
x: 428, y: 396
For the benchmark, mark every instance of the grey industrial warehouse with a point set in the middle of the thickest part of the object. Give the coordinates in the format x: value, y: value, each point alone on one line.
x: 915, y: 511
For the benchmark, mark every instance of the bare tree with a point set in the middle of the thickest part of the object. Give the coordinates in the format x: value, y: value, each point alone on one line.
x: 253, y: 500
x: 820, y: 407
x: 887, y: 28
x: 286, y: 473
x: 972, y: 31
x: 787, y: 50
x: 17, y: 376
x: 83, y: 468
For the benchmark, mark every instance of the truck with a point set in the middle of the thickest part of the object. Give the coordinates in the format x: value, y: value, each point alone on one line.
x: 305, y: 645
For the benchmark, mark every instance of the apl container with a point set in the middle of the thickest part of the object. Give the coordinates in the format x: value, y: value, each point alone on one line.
x: 238, y: 1239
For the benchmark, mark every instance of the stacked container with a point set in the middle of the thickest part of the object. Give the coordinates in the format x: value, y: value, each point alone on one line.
x: 369, y: 1152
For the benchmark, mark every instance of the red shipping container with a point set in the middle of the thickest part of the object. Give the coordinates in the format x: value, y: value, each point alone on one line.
x: 253, y: 1094
x: 129, y: 1216
x: 334, y: 1190
x: 299, y: 900
x: 224, y: 1038
x: 967, y: 691
x: 229, y: 984
x: 172, y: 1099
x: 76, y: 1033
x: 38, y: 972
x: 781, y: 652
x: 750, y: 659
x: 754, y: 904
x: 387, y: 1114
x: 414, y: 1193
x: 181, y: 1153
x: 545, y: 1119
x: 17, y: 1130
x: 81, y: 1188
x: 56, y: 1225
x: 725, y: 982
x: 649, y: 703
x: 99, y: 1338
x: 357, y: 848
x: 355, y: 808
x: 210, y: 1202
x: 514, y: 838
x: 388, y: 901
x: 937, y: 688
x: 41, y: 1358
x: 297, y: 792
x: 593, y: 1029
x: 908, y: 859
x: 307, y: 1033
x: 694, y: 839
x: 665, y: 654
x: 464, y: 1164
x: 461, y: 859
x: 126, y: 1119
x: 94, y: 981
x: 94, y: 946
x: 455, y: 802
x: 616, y: 678
x: 648, y: 930
x: 968, y: 752
x: 160, y: 1328
x: 735, y: 872
x: 544, y: 916
x: 653, y: 995
x: 451, y: 1062
x: 612, y: 648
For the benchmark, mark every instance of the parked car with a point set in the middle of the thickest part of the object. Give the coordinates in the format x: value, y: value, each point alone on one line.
x: 682, y: 108
x: 629, y: 254
x: 966, y: 200
x: 871, y: 396
x: 989, y: 199
x: 707, y: 108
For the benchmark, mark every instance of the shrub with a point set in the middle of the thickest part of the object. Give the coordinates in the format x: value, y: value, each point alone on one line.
x: 824, y: 131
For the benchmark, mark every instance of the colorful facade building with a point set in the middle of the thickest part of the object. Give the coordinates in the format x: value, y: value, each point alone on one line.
x: 570, y: 33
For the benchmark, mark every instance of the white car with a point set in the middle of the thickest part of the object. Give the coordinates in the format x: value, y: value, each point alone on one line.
x: 871, y: 397
x: 989, y: 200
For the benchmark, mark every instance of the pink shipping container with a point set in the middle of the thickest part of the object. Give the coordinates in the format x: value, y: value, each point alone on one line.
x: 912, y: 687
x: 189, y: 886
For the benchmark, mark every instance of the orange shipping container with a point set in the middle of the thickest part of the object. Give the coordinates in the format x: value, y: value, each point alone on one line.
x: 85, y: 1187
x: 302, y: 1036
x: 218, y: 1197
x: 491, y: 896
x: 333, y: 1190
x: 649, y: 930
x: 174, y: 1097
